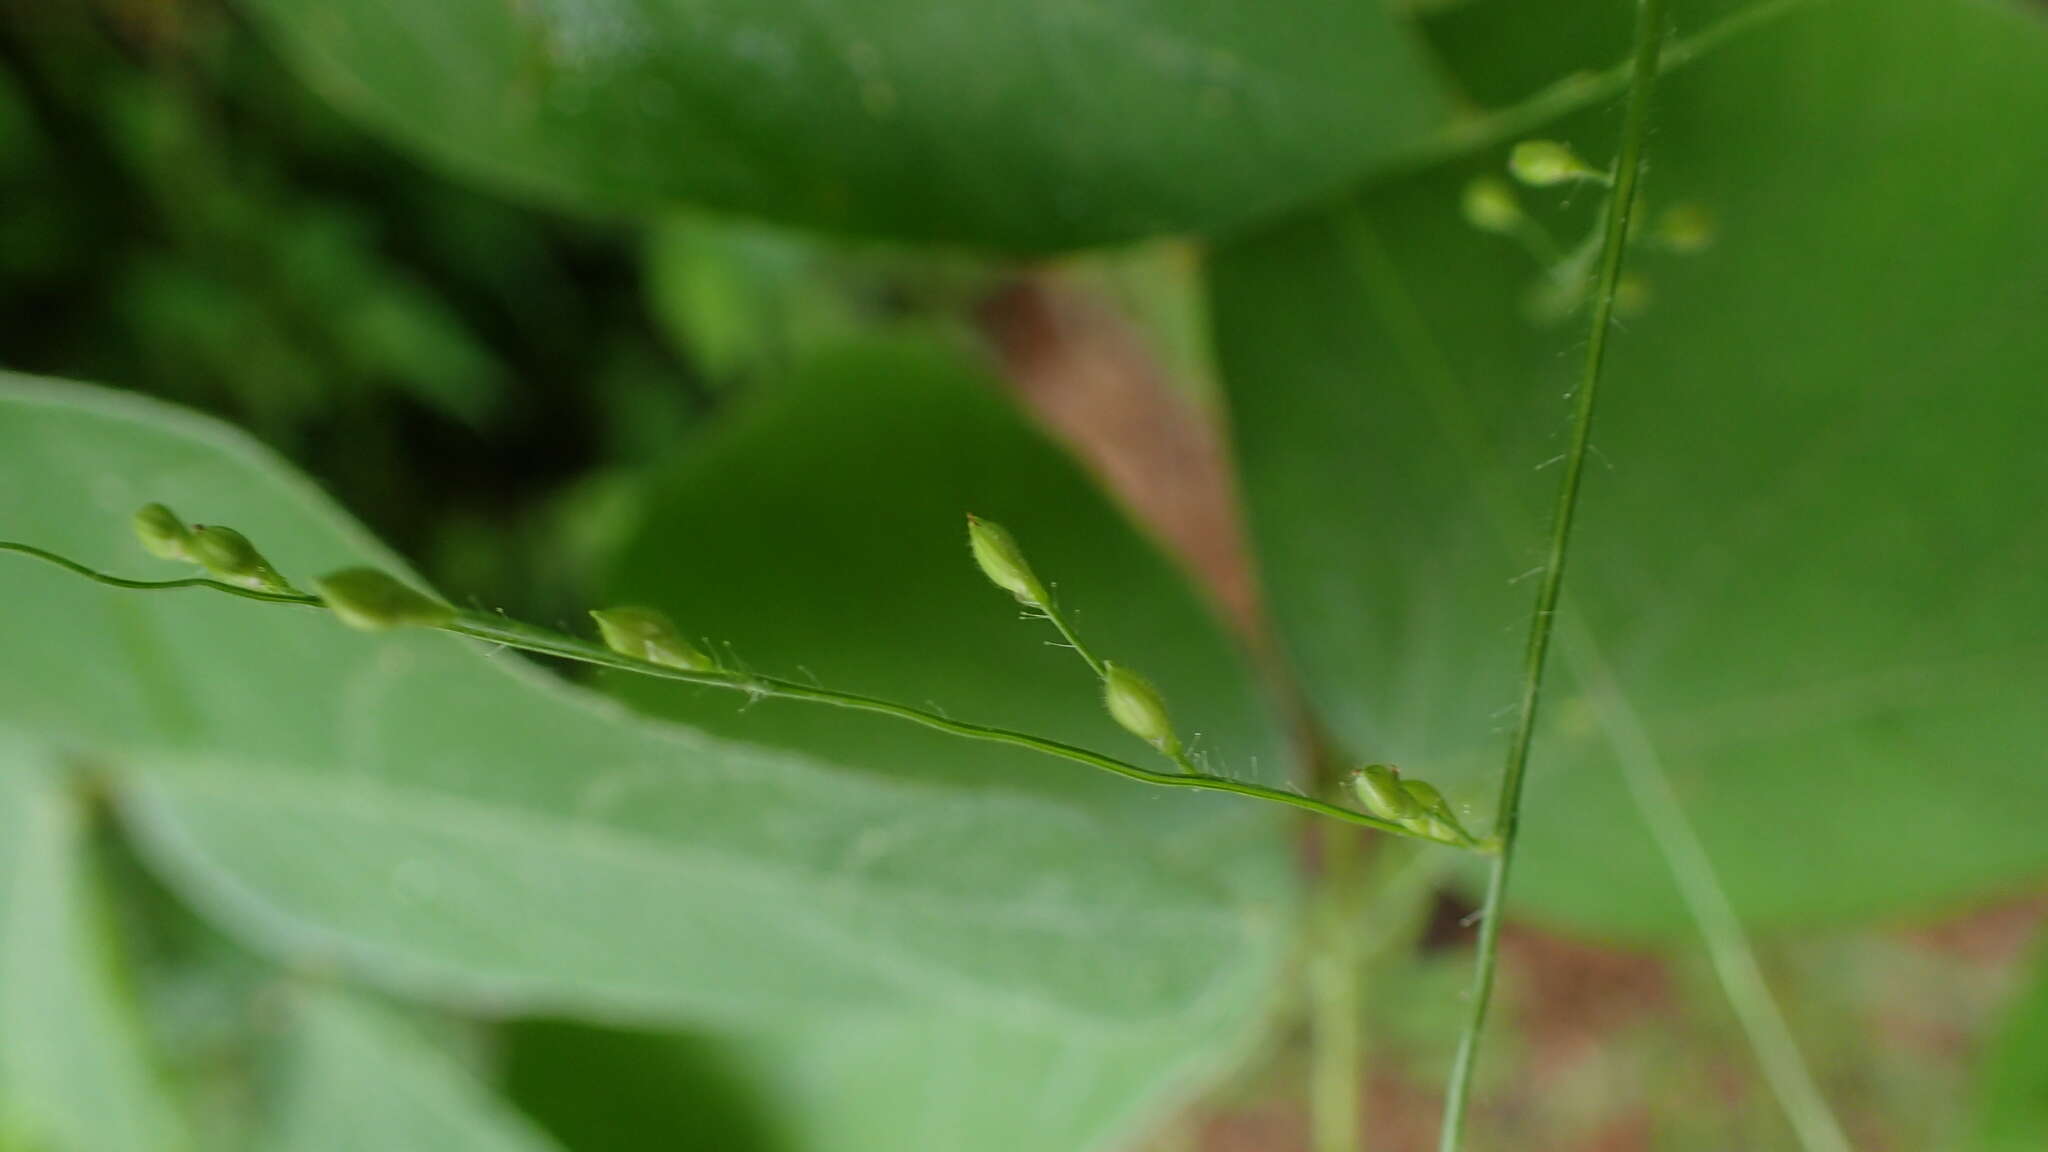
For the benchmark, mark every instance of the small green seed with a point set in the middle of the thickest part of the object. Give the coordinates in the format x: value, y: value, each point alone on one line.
x: 373, y: 601
x: 648, y: 634
x: 1136, y: 705
x: 1542, y: 163
x: 996, y: 551
x: 1426, y: 795
x: 162, y: 533
x: 1631, y: 295
x: 1490, y: 205
x: 1436, y: 819
x: 1685, y: 228
x: 229, y: 555
x: 1436, y: 828
x: 1379, y: 788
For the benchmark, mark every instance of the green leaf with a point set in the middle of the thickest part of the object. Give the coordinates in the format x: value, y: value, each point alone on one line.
x: 1810, y: 545
x: 824, y: 529
x: 742, y: 301
x: 1003, y: 123
x: 455, y: 823
x: 358, y: 1077
x: 750, y: 303
x: 2012, y: 1106
x: 74, y: 1073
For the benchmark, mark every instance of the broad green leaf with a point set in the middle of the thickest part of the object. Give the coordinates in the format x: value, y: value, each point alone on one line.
x: 357, y: 1079
x: 74, y: 1073
x: 1811, y: 540
x: 999, y: 123
x: 453, y: 822
x: 748, y: 303
x: 824, y: 530
x: 2012, y: 1109
x: 210, y: 1005
x: 742, y: 301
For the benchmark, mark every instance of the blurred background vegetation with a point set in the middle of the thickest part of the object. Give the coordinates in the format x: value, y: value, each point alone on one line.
x: 490, y: 385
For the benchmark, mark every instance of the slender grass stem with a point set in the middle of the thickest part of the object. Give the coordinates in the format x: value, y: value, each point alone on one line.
x: 1333, y: 976
x: 1649, y: 40
x: 1734, y: 961
x: 99, y: 577
x: 1778, y: 1057
x: 561, y: 645
x: 1584, y: 89
x: 1073, y: 639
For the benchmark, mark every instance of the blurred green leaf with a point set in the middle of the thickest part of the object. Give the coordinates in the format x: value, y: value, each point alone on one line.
x: 358, y: 1079
x: 742, y: 300
x: 74, y: 1073
x: 1811, y: 540
x: 386, y: 326
x: 210, y: 1005
x: 2012, y: 1107
x: 1005, y: 123
x: 749, y: 303
x: 461, y: 825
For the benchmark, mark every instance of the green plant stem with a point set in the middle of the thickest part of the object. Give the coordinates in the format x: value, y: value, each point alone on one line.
x: 1728, y: 947
x: 1649, y: 40
x: 546, y: 642
x: 1584, y: 89
x: 1734, y: 961
x: 97, y: 576
x: 1059, y: 621
x: 1396, y: 882
x: 1333, y: 974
